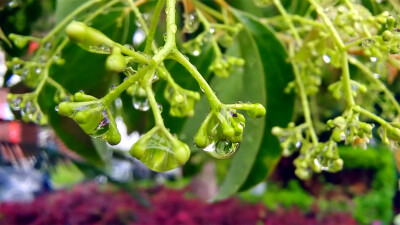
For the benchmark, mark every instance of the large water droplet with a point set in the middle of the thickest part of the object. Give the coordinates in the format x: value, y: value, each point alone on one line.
x: 373, y: 59
x: 103, y: 126
x: 222, y: 149
x: 100, y: 49
x: 140, y: 103
x: 192, y: 22
x: 138, y: 37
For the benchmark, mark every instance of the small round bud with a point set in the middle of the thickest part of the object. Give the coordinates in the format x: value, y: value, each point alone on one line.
x: 387, y: 35
x: 257, y: 111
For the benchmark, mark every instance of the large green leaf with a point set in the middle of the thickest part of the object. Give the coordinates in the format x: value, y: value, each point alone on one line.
x: 244, y: 84
x: 277, y: 72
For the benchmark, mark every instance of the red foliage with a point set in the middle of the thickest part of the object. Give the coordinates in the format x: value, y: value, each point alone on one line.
x: 89, y: 204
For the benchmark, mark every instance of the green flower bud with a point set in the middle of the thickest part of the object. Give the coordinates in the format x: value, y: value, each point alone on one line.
x: 256, y: 111
x: 116, y: 61
x: 93, y: 118
x: 19, y: 40
x: 387, y: 35
x: 160, y: 151
x: 89, y: 38
x: 338, y: 135
x: 182, y: 101
x: 337, y: 165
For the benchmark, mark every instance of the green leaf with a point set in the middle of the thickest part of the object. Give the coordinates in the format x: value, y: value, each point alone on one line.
x: 244, y: 84
x: 277, y: 72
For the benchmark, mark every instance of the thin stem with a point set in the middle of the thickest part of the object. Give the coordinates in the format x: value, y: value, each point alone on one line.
x: 207, y: 28
x: 136, y: 11
x: 371, y: 115
x: 288, y: 20
x: 64, y: 22
x: 209, y: 10
x: 305, y: 105
x: 213, y: 99
x: 152, y: 100
x: 111, y: 96
x: 346, y: 80
x: 54, y: 83
x: 382, y: 86
x: 328, y: 23
x: 361, y: 40
x: 153, y: 26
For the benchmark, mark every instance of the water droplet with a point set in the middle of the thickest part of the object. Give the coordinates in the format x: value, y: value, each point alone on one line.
x: 222, y: 149
x: 38, y: 70
x: 165, y: 36
x: 192, y: 22
x: 212, y: 30
x: 373, y: 59
x: 298, y: 144
x: 103, y: 126
x: 377, y: 75
x: 129, y: 72
x: 100, y: 49
x: 16, y: 67
x: 138, y: 37
x: 368, y: 43
x: 81, y: 91
x: 196, y: 52
x: 140, y: 103
x: 326, y: 58
x: 42, y: 59
x: 25, y: 73
x: 112, y: 88
x: 129, y: 46
x: 58, y: 59
x: 47, y: 46
x: 15, y: 103
x: 56, y: 108
x: 160, y: 107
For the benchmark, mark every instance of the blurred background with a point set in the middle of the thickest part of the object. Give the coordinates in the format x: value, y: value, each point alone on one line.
x: 43, y: 182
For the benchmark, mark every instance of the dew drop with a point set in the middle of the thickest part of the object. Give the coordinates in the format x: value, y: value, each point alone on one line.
x: 100, y: 49
x: 81, y: 91
x: 38, y: 70
x: 373, y: 59
x: 212, y: 30
x: 129, y: 46
x: 103, y: 126
x: 138, y: 37
x: 160, y: 107
x: 16, y: 67
x: 192, y: 22
x: 377, y: 75
x: 112, y: 88
x: 222, y: 149
x: 140, y: 103
x: 47, y: 46
x: 15, y: 103
x: 298, y: 144
x: 196, y: 52
x: 56, y: 108
x: 326, y: 58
